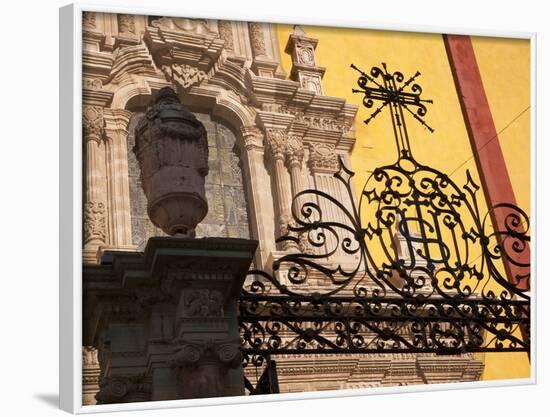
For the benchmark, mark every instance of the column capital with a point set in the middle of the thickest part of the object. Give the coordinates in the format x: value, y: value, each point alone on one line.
x: 252, y: 138
x: 117, y: 120
x: 276, y: 140
x: 201, y: 367
x: 294, y: 151
x: 93, y: 123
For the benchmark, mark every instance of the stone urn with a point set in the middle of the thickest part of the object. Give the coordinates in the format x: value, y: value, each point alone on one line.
x: 172, y: 151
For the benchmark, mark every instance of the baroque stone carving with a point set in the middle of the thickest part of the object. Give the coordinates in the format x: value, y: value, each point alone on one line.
x: 226, y: 33
x: 203, y: 303
x: 257, y: 38
x: 89, y: 357
x: 294, y: 150
x: 322, y: 158
x: 88, y: 20
x: 311, y: 83
x: 306, y: 55
x: 92, y: 83
x: 172, y: 152
x: 94, y: 221
x: 184, y: 75
x: 126, y: 23
x: 93, y: 123
x: 276, y: 142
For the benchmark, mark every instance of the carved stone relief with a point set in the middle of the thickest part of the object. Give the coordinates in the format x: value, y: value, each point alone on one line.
x: 225, y: 28
x: 257, y: 38
x: 184, y: 75
x: 126, y: 23
x: 88, y: 20
x: 94, y: 221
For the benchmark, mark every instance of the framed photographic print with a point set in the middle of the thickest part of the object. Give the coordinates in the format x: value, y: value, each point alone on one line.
x: 262, y: 209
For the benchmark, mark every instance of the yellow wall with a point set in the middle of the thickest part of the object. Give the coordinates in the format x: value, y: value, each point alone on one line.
x: 448, y: 149
x: 505, y: 72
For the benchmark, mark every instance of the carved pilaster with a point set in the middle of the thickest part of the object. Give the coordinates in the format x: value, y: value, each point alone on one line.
x: 225, y: 28
x: 258, y: 189
x: 276, y: 140
x: 257, y: 39
x: 94, y: 223
x: 118, y: 196
x: 95, y: 181
x: 294, y: 152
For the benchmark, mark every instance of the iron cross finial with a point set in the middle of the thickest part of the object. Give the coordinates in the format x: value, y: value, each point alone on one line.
x: 393, y: 91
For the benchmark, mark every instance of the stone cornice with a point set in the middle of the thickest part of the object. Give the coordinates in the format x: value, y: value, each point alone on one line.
x: 169, y: 46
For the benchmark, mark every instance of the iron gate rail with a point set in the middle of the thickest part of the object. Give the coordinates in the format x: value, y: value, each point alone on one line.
x: 412, y: 265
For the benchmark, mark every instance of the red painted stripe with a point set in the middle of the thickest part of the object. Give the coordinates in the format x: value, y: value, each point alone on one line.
x: 484, y: 140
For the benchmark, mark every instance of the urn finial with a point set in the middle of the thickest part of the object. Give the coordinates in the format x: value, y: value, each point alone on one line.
x: 172, y: 152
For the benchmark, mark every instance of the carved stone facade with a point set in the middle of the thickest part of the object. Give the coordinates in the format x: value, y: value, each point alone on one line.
x: 270, y: 136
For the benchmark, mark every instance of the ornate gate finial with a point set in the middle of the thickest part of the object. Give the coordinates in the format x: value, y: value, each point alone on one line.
x: 390, y: 89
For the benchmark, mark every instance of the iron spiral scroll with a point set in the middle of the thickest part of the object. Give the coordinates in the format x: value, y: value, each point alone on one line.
x: 412, y: 264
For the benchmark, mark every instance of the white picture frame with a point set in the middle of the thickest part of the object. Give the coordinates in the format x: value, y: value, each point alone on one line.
x: 71, y: 209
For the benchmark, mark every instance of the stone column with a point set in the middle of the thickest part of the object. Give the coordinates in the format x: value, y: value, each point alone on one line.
x: 95, y: 179
x: 276, y: 143
x: 323, y: 163
x: 264, y: 64
x: 116, y: 134
x: 295, y: 156
x: 258, y: 191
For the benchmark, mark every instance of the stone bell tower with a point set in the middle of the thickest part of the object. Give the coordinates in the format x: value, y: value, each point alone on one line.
x: 164, y: 321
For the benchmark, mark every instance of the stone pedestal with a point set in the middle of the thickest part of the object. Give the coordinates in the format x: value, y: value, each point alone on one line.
x: 165, y: 321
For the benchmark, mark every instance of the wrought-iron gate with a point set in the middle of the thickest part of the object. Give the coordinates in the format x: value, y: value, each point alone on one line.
x: 423, y: 268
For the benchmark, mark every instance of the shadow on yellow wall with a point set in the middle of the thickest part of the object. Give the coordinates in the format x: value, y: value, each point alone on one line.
x: 448, y: 149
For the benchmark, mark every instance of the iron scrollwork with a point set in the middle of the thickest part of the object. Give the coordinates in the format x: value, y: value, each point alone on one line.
x: 414, y: 267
